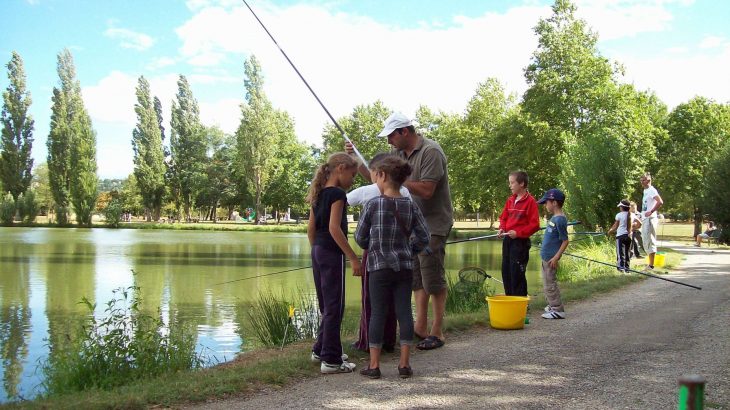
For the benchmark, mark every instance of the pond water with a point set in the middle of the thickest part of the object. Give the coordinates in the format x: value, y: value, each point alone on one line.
x: 45, y: 272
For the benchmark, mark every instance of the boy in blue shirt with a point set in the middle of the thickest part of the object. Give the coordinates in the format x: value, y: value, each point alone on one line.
x: 554, y: 243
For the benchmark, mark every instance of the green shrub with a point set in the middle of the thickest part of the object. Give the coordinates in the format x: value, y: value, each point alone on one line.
x: 7, y: 209
x: 572, y: 269
x: 113, y: 213
x: 28, y: 207
x: 270, y: 322
x: 123, y: 346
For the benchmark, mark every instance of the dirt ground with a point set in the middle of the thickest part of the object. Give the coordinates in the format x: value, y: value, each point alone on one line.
x: 625, y: 349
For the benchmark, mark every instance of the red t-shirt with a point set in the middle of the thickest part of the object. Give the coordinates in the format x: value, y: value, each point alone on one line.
x: 520, y: 216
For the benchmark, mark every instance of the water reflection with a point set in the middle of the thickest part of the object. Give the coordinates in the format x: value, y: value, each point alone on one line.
x: 193, y: 276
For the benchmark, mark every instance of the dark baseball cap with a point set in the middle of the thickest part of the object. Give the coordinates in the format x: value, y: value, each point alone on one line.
x: 552, y: 194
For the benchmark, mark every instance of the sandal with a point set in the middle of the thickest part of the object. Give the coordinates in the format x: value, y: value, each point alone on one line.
x: 430, y: 343
x: 371, y: 373
x: 419, y: 336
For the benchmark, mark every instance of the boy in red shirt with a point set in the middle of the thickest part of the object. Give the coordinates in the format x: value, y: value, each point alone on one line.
x: 518, y: 221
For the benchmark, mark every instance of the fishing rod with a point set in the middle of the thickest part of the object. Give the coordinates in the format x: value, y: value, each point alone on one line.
x: 635, y: 271
x: 344, y: 134
x: 478, y: 238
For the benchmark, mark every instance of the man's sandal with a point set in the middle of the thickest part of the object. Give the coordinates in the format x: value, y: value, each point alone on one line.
x: 430, y: 343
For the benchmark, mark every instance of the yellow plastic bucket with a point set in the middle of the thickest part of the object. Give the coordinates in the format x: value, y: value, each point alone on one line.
x: 658, y: 259
x: 507, y: 312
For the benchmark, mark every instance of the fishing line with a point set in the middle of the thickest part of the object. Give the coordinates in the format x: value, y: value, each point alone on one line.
x: 632, y: 270
x: 477, y: 238
x: 359, y: 155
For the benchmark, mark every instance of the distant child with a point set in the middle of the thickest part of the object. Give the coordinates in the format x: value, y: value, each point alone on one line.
x: 553, y: 245
x: 518, y: 221
x: 361, y: 196
x: 327, y: 233
x: 393, y: 230
x: 623, y: 226
x: 637, y: 245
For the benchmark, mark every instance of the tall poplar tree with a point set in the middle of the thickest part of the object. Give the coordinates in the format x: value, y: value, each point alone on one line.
x: 17, y: 132
x: 257, y: 134
x: 71, y: 148
x: 149, y: 165
x: 187, y: 146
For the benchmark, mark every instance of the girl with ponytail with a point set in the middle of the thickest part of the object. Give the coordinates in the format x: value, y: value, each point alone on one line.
x: 327, y: 233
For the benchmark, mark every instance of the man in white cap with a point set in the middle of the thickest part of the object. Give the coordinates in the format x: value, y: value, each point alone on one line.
x: 429, y: 187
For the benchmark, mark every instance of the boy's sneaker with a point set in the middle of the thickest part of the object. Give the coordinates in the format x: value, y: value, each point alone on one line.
x: 648, y: 269
x: 344, y: 367
x: 371, y: 373
x: 553, y: 314
x: 548, y: 308
x: 316, y: 359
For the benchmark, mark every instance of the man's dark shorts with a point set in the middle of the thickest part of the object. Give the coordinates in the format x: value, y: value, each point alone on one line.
x: 428, y: 268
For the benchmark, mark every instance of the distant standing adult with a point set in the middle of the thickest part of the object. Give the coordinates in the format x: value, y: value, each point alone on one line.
x: 650, y: 203
x: 429, y: 188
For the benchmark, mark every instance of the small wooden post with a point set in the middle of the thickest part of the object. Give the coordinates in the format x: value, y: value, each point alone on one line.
x: 691, y: 392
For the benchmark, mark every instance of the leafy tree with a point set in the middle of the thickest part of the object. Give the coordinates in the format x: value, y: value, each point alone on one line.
x: 149, y: 160
x: 698, y: 130
x: 28, y: 207
x: 129, y: 196
x: 187, y: 146
x: 257, y: 134
x: 362, y: 127
x: 717, y: 191
x: 219, y: 186
x: 591, y: 118
x: 292, y: 171
x: 16, y: 140
x: 7, y: 209
x: 42, y: 188
x: 71, y: 147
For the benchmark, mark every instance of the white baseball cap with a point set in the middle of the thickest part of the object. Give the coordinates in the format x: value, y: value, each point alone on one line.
x: 394, y: 122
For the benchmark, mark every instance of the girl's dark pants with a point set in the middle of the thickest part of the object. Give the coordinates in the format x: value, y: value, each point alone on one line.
x: 623, y: 251
x: 329, y: 280
x: 390, y: 323
x: 637, y: 244
x: 388, y: 284
x: 515, y: 255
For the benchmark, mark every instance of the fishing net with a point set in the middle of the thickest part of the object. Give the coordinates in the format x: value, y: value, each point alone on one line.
x: 472, y: 275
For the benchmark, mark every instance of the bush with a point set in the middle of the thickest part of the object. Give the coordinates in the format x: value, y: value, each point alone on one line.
x: 123, y: 346
x: 113, y: 213
x: 28, y: 207
x: 7, y: 210
x: 270, y: 321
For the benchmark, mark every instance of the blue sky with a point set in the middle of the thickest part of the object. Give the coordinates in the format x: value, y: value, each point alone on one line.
x: 349, y: 50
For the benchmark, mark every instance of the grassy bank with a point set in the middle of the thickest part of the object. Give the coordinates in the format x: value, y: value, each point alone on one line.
x: 273, y: 368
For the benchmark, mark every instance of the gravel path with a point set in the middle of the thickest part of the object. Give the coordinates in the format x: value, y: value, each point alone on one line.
x: 621, y: 350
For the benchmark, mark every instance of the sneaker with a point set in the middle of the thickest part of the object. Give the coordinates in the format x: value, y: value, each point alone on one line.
x: 405, y: 372
x: 371, y: 373
x: 648, y: 269
x: 344, y: 367
x: 548, y: 308
x: 697, y: 245
x: 316, y: 359
x: 553, y: 314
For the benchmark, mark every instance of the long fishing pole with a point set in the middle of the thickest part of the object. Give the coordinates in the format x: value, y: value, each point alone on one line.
x: 635, y: 271
x: 344, y: 134
x: 478, y: 238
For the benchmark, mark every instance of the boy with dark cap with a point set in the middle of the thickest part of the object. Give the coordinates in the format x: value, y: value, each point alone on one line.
x: 553, y: 245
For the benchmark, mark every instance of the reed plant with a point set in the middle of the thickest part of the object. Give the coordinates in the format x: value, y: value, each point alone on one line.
x: 571, y: 269
x: 119, y: 347
x: 278, y: 319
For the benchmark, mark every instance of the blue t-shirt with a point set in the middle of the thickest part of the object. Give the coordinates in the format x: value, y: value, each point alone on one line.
x: 556, y: 232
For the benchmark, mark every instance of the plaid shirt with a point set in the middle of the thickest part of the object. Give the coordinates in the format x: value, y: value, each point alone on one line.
x: 379, y: 233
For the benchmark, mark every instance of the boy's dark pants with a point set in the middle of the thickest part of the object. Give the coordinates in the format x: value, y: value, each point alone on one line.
x: 515, y: 255
x: 329, y: 280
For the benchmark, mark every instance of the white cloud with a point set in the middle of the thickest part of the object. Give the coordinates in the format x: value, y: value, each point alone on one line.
x: 350, y: 60
x: 614, y: 19
x: 160, y: 62
x: 678, y: 78
x: 713, y: 42
x: 225, y: 113
x: 130, y: 39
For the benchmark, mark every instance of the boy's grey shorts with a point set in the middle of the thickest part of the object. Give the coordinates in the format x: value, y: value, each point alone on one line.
x: 428, y: 269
